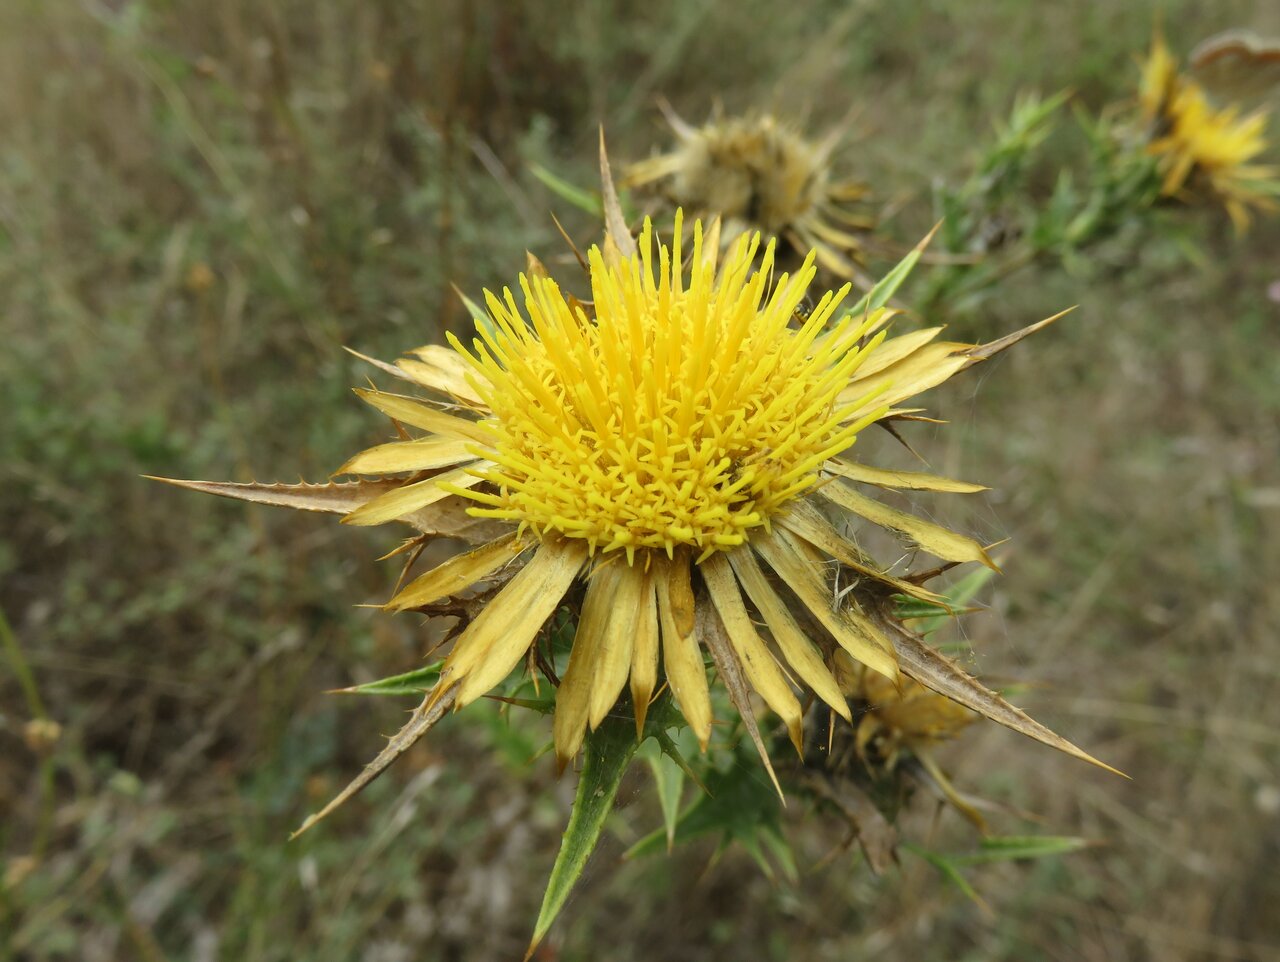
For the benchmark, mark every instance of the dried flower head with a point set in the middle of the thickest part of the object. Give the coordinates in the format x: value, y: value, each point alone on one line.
x: 759, y: 174
x: 1202, y: 148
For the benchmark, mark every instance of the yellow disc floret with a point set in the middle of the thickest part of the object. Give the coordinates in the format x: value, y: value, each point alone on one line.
x: 675, y: 410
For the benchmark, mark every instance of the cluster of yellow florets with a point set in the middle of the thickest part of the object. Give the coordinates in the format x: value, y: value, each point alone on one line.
x: 678, y: 411
x: 1197, y: 144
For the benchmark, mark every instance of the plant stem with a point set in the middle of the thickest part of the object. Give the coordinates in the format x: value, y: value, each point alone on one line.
x: 37, y: 709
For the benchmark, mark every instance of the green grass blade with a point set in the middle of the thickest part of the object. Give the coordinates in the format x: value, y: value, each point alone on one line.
x: 958, y: 597
x: 1013, y: 848
x: 582, y: 199
x: 477, y: 313
x: 947, y: 866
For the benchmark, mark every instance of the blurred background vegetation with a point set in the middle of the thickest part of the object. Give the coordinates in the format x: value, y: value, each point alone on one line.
x: 201, y: 203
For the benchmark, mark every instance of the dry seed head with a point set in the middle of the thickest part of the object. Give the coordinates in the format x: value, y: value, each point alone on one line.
x: 758, y: 174
x: 751, y: 168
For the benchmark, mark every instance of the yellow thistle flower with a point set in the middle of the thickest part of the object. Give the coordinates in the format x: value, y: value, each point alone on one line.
x: 758, y: 174
x: 678, y: 444
x: 687, y: 425
x: 1200, y: 147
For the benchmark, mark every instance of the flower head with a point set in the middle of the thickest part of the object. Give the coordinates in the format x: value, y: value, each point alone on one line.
x: 668, y: 460
x: 677, y: 442
x: 1200, y: 147
x: 759, y: 174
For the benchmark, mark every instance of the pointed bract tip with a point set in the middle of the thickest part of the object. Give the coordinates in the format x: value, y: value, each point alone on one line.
x: 1086, y: 757
x: 461, y: 294
x: 352, y: 690
x: 928, y: 238
x: 582, y: 261
x: 380, y: 365
x: 682, y: 129
x: 642, y: 712
x: 615, y: 223
x: 562, y: 762
x: 982, y: 352
x: 796, y: 733
x: 310, y: 820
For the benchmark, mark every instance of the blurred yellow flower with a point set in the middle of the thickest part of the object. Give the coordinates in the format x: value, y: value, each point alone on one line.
x: 1199, y: 147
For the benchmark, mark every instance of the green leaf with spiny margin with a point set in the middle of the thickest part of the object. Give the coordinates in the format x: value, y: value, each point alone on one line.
x: 741, y: 806
x: 606, y: 756
x: 410, y: 683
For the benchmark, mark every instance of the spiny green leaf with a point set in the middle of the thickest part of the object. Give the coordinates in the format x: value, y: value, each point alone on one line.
x: 410, y: 683
x: 739, y: 803
x: 606, y: 755
x: 668, y: 779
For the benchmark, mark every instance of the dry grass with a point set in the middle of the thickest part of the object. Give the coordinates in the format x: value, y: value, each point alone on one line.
x: 199, y: 203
